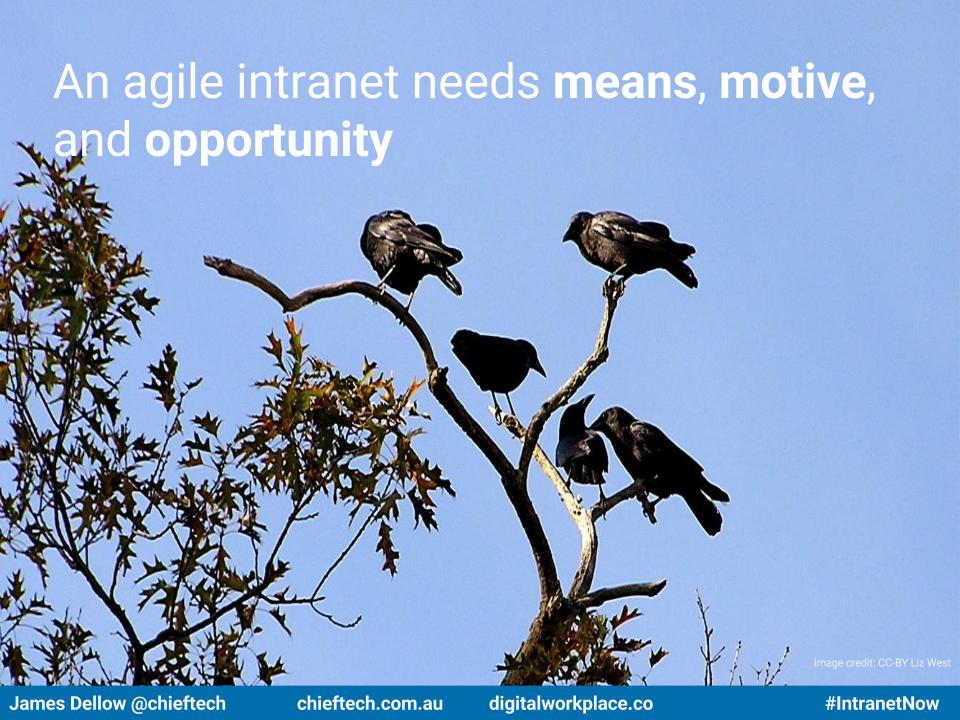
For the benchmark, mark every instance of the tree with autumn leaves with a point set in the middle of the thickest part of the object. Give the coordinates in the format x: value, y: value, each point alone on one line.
x: 161, y: 524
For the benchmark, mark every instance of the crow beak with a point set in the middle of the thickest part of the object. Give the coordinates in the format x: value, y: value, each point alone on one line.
x: 586, y: 401
x: 538, y: 367
x: 597, y: 424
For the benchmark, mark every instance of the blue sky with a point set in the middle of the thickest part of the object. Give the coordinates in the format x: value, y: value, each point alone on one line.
x: 814, y: 373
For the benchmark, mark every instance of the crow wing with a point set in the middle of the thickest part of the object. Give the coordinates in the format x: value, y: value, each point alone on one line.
x: 396, y: 228
x: 588, y: 448
x: 434, y: 246
x: 597, y: 450
x: 650, y: 443
x: 623, y: 229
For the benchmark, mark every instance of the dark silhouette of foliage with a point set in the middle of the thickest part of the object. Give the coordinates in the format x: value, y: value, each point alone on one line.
x: 164, y: 528
x: 587, y: 650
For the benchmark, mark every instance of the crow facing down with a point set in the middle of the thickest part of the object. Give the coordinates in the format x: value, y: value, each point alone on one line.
x: 496, y: 364
x: 403, y: 253
x: 660, y: 466
x: 580, y: 451
x: 624, y: 246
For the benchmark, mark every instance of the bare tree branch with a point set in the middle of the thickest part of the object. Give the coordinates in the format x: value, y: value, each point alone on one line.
x: 609, y: 503
x: 585, y: 520
x: 589, y: 540
x: 583, y: 578
x: 437, y: 380
x: 228, y: 268
x: 612, y: 291
x: 617, y: 592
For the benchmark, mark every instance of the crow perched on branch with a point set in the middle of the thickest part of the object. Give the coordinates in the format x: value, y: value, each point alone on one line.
x: 580, y: 451
x: 624, y: 246
x: 496, y: 364
x: 660, y: 466
x: 403, y: 253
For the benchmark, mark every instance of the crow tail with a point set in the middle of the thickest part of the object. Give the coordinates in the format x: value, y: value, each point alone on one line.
x: 704, y: 510
x: 682, y: 273
x: 450, y: 281
x: 712, y: 491
x: 586, y: 475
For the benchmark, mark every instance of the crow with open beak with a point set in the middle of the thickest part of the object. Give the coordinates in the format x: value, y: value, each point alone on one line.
x: 581, y: 451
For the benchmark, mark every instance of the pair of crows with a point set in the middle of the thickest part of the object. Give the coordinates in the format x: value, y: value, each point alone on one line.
x: 403, y: 252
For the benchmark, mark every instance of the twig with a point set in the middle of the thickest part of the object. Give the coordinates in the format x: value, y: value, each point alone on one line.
x: 346, y: 551
x: 736, y: 660
x: 769, y: 679
x: 708, y: 657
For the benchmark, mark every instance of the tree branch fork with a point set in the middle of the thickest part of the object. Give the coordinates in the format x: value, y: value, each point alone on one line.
x: 512, y: 477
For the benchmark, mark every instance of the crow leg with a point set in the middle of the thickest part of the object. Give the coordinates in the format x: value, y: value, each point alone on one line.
x: 497, y: 412
x: 410, y: 301
x: 617, y: 272
x: 510, y: 404
x: 382, y: 287
x: 612, y: 285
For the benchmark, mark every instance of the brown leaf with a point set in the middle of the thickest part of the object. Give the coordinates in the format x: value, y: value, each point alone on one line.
x: 657, y: 656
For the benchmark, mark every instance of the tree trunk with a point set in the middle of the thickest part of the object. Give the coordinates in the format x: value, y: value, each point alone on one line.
x: 531, y: 666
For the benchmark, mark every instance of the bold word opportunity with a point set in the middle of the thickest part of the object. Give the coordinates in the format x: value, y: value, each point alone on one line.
x: 277, y: 141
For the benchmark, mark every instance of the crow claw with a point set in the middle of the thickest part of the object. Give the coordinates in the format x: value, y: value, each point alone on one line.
x: 648, y: 507
x: 613, y: 287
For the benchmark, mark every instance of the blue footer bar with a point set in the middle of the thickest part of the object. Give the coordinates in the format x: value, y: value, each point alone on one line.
x: 263, y: 703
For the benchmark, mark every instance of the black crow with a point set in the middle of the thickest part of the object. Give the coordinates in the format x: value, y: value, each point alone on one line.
x: 624, y: 246
x: 497, y: 364
x: 580, y: 451
x: 660, y: 466
x: 403, y: 253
